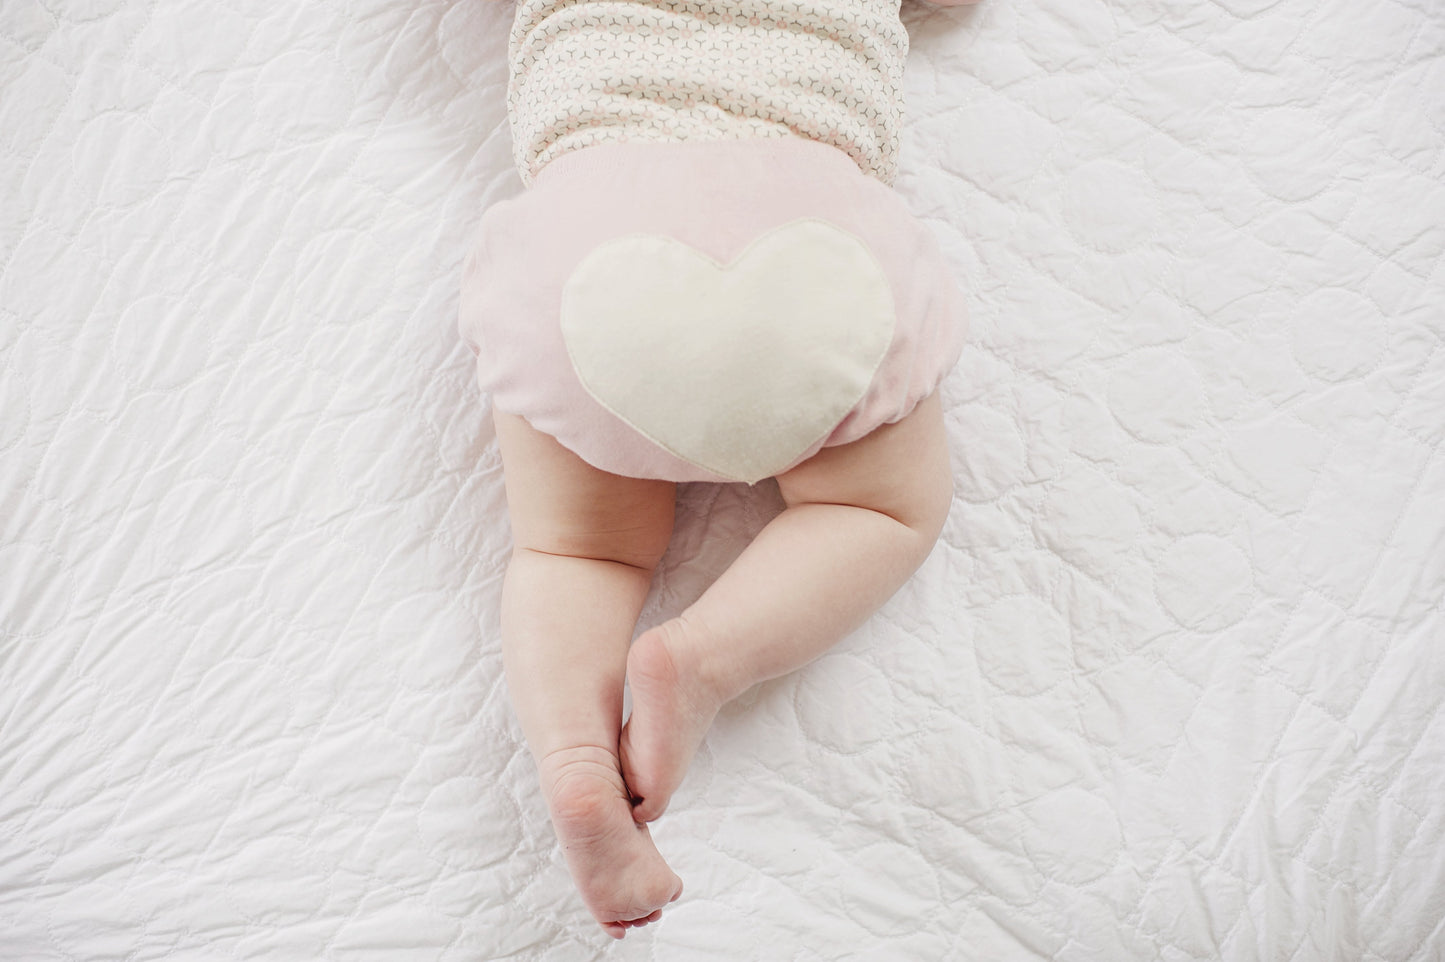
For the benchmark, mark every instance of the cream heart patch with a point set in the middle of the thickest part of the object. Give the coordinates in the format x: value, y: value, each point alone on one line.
x: 736, y: 368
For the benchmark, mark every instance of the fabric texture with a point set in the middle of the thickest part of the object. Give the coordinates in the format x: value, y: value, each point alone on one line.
x: 738, y: 367
x: 826, y: 311
x: 585, y: 73
x: 1168, y: 689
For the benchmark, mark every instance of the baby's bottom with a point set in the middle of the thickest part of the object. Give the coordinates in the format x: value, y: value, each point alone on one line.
x: 860, y: 518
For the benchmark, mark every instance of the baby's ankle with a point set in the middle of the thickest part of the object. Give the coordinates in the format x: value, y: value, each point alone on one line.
x: 703, y: 670
x: 562, y: 765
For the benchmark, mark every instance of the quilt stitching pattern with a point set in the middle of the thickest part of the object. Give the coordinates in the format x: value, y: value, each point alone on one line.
x: 1169, y: 688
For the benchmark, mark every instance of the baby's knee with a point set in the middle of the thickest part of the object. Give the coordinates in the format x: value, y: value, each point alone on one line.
x: 634, y: 532
x: 561, y: 505
x: 901, y: 470
x: 932, y: 501
x: 636, y: 549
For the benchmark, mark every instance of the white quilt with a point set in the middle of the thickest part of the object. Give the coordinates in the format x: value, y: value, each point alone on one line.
x: 1170, y: 687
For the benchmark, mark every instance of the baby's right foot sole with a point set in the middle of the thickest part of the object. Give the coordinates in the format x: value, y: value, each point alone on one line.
x: 672, y: 709
x: 622, y: 878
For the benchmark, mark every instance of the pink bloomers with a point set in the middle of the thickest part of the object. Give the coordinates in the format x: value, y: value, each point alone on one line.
x: 708, y: 311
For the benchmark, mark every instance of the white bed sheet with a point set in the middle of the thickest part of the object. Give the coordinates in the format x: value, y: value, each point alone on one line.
x: 1168, y: 689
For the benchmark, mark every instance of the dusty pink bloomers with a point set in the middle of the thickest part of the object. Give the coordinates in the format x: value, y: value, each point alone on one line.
x: 708, y: 310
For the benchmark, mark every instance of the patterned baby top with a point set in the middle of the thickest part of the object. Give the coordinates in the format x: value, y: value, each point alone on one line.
x: 585, y: 72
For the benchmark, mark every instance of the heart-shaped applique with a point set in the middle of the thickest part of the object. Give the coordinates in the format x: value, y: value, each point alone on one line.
x: 736, y: 368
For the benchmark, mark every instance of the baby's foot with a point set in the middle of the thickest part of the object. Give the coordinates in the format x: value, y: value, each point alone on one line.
x: 623, y: 880
x: 672, y: 708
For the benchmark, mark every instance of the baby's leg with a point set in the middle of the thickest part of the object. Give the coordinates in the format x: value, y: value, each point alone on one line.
x: 585, y: 543
x: 860, y: 518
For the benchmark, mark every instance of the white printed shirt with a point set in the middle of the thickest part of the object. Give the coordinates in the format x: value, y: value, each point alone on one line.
x: 585, y: 72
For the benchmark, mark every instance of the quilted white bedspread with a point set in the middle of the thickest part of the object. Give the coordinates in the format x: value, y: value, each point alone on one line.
x: 1169, y: 688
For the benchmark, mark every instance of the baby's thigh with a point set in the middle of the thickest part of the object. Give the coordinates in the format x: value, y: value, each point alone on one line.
x: 560, y: 504
x: 900, y: 469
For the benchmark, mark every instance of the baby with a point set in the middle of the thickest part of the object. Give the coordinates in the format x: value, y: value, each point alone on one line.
x: 707, y: 279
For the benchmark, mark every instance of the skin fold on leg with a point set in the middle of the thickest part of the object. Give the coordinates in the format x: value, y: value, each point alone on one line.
x: 585, y: 546
x: 860, y: 519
